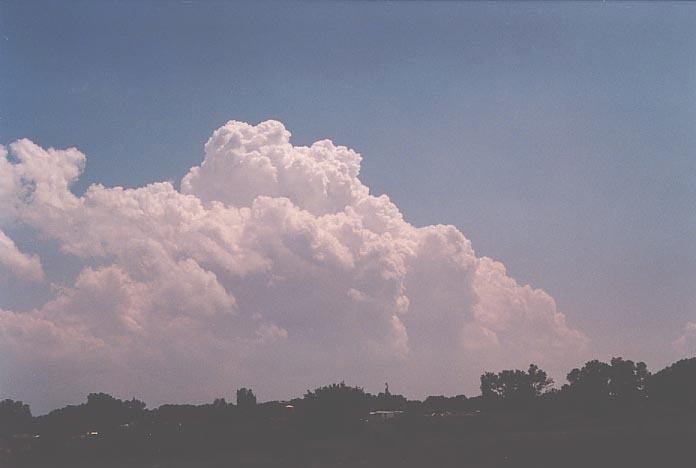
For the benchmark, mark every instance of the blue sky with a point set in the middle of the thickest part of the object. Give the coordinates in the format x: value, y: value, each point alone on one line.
x: 559, y: 137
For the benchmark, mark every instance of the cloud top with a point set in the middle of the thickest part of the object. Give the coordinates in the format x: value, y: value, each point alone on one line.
x: 243, y: 162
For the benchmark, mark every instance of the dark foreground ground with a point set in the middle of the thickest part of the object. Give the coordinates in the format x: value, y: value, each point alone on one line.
x: 473, y: 441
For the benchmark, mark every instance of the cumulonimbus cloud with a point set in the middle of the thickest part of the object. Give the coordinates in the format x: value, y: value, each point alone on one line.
x: 272, y: 265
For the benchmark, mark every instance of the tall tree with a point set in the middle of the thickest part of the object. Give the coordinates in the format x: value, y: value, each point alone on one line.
x: 599, y: 384
x: 335, y: 408
x: 246, y: 398
x: 515, y: 386
x: 15, y: 417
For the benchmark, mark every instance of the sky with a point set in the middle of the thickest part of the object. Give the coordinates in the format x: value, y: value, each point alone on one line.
x: 189, y: 245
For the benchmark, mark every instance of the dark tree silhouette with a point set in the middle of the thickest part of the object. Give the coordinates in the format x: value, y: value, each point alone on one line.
x: 515, y: 386
x: 220, y: 403
x: 590, y: 384
x: 441, y: 403
x: 628, y: 407
x: 103, y: 411
x: 628, y: 380
x: 675, y: 385
x: 335, y: 408
x: 246, y: 398
x: 599, y: 384
x: 388, y: 401
x: 15, y: 417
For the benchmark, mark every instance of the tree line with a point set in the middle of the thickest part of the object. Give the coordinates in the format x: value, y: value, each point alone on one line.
x: 619, y: 388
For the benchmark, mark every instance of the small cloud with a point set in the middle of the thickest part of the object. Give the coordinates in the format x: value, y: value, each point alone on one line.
x: 268, y: 333
x: 686, y: 344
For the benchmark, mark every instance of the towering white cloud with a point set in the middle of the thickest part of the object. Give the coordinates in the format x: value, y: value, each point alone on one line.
x: 243, y: 162
x: 273, y: 266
